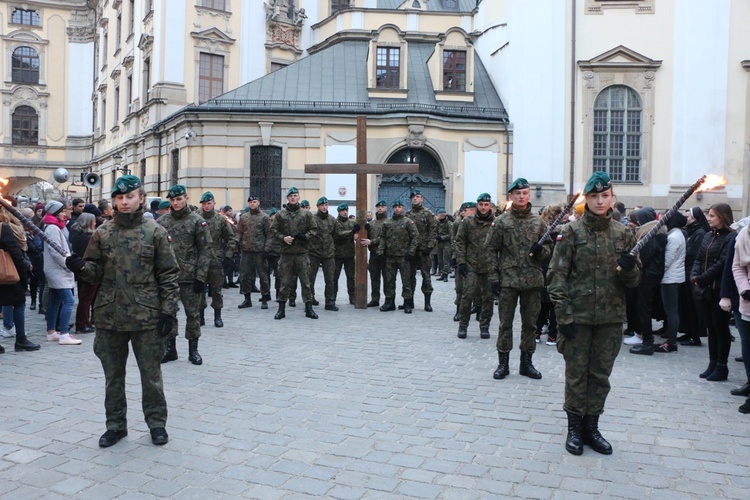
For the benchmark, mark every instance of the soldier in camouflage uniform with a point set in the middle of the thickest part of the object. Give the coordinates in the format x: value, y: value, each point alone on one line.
x: 222, y: 242
x: 252, y: 233
x: 398, y: 244
x: 132, y: 260
x: 376, y: 265
x: 467, y: 209
x: 294, y: 227
x: 476, y: 264
x: 590, y: 268
x: 346, y: 228
x: 443, y: 248
x: 427, y: 228
x: 272, y: 260
x: 191, y: 242
x: 513, y: 240
x: 322, y: 250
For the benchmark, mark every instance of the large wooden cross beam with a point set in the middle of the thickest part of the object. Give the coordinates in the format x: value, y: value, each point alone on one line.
x: 361, y: 168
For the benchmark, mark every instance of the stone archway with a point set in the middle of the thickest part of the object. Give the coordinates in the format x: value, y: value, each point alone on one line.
x: 429, y: 180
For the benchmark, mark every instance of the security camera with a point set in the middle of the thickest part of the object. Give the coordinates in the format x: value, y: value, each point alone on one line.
x: 187, y: 135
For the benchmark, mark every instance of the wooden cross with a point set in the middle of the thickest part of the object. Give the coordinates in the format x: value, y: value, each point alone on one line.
x: 361, y: 168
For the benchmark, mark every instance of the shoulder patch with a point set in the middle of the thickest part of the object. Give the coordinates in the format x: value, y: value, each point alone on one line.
x: 559, y: 237
x: 493, y: 224
x: 203, y: 223
x: 169, y: 238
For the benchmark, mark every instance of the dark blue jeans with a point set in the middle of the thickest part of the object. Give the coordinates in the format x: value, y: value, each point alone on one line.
x: 744, y: 328
x: 670, y: 297
x: 60, y: 306
x: 15, y: 316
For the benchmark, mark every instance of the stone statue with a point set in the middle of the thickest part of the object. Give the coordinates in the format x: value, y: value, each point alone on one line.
x: 299, y: 16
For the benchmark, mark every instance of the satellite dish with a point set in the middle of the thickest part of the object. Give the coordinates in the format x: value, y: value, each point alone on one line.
x: 61, y: 175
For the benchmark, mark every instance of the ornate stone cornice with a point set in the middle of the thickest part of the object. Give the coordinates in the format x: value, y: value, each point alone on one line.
x: 81, y: 34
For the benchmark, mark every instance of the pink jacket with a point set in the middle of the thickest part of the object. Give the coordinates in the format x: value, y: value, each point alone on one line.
x: 742, y: 272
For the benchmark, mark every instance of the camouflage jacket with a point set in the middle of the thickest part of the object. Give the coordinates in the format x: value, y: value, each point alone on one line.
x: 344, y: 238
x: 376, y: 231
x: 426, y: 226
x: 471, y: 243
x: 253, y: 230
x: 510, y: 241
x: 322, y: 245
x: 443, y: 232
x: 399, y: 237
x: 222, y: 241
x: 191, y: 243
x: 584, y: 283
x: 133, y: 261
x: 293, y: 221
x: 454, y: 232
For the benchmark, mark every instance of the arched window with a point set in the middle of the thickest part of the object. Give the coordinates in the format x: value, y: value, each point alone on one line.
x: 617, y: 133
x: 25, y: 126
x: 25, y: 65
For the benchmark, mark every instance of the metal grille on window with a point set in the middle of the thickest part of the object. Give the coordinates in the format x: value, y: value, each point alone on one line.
x: 617, y: 134
x: 265, y: 175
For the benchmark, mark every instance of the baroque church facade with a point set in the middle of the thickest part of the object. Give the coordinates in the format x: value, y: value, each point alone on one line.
x: 237, y: 96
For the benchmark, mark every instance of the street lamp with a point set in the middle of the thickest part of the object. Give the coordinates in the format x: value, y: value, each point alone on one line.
x: 117, y: 159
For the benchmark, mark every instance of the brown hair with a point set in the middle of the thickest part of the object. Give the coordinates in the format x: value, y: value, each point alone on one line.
x: 550, y: 212
x: 724, y: 212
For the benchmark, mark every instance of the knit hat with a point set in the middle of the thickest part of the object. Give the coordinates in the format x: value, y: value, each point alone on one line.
x: 90, y: 208
x: 53, y: 207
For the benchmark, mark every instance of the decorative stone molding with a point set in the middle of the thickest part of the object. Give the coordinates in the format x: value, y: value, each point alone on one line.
x: 284, y: 36
x: 115, y: 75
x: 212, y: 39
x: 215, y: 16
x: 416, y: 137
x: 145, y: 42
x: 599, y: 6
x: 81, y: 34
x: 128, y: 61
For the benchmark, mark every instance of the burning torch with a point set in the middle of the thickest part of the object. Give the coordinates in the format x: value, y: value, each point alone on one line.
x: 559, y: 218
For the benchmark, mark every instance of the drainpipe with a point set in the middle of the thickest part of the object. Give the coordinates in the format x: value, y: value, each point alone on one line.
x: 507, y: 157
x: 572, y: 102
x: 158, y: 167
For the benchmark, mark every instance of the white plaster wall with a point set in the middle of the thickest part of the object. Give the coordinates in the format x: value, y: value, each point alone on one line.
x: 252, y: 41
x: 340, y: 154
x: 174, y: 40
x: 81, y: 86
x: 701, y: 51
x: 480, y: 174
x: 313, y: 16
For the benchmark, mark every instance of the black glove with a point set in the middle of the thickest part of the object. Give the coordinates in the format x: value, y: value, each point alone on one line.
x: 454, y: 263
x: 626, y: 261
x: 198, y: 286
x: 569, y: 331
x: 300, y: 237
x: 75, y: 263
x: 438, y: 238
x: 495, y: 288
x: 367, y: 227
x: 426, y: 251
x: 165, y: 324
x: 355, y: 228
x: 745, y: 295
x: 463, y: 269
x: 536, y: 249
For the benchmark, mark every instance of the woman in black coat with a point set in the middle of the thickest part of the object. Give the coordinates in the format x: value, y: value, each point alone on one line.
x: 693, y: 321
x: 706, y: 275
x: 14, y: 295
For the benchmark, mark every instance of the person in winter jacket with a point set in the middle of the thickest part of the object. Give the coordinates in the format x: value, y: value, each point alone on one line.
x: 674, y: 277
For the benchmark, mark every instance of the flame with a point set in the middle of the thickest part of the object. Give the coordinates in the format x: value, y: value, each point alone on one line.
x: 507, y: 206
x: 580, y: 198
x: 712, y: 181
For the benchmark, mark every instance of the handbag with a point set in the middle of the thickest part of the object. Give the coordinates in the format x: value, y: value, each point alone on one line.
x: 8, y: 271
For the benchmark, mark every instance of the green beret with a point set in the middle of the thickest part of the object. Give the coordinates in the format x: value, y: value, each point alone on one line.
x: 207, y: 196
x: 176, y: 190
x: 484, y: 197
x: 321, y: 201
x: 519, y: 183
x: 381, y: 203
x: 462, y: 207
x: 440, y: 211
x: 397, y: 203
x: 164, y: 204
x: 415, y: 192
x: 471, y: 204
x: 304, y: 203
x: 598, y: 182
x: 342, y: 207
x: 253, y: 198
x: 292, y: 190
x: 126, y: 184
x: 272, y: 211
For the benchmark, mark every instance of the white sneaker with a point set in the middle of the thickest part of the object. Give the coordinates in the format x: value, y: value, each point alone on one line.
x: 634, y: 340
x: 8, y: 334
x: 68, y: 339
x: 551, y: 342
x: 53, y: 337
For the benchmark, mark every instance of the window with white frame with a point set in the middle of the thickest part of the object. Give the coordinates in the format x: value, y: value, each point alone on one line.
x: 617, y: 133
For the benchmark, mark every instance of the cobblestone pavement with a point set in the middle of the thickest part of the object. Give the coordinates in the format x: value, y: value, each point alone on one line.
x: 365, y: 404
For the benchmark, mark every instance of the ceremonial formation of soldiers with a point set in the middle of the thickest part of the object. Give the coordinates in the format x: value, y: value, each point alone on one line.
x: 566, y: 274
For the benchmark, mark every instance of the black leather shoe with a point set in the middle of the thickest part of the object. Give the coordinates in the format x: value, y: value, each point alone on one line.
x: 25, y: 345
x: 292, y: 303
x: 739, y: 359
x: 331, y: 307
x: 484, y: 333
x: 111, y: 437
x: 743, y: 390
x: 592, y: 436
x: 645, y: 349
x: 691, y: 343
x: 315, y: 302
x: 461, y: 332
x: 159, y: 436
x: 373, y: 303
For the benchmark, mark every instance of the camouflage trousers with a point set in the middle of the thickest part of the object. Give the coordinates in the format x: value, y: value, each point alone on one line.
x: 589, y: 360
x: 530, y: 306
x: 348, y: 265
x: 424, y: 263
x: 444, y: 257
x: 459, y: 289
x: 291, y: 267
x: 395, y: 265
x: 272, y: 261
x: 328, y: 273
x: 111, y: 348
x: 376, y: 268
x: 476, y: 288
x: 215, y: 280
x: 252, y: 265
x: 191, y: 301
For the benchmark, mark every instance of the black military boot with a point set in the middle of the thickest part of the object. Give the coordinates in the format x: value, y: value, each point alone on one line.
x: 574, y: 441
x: 373, y: 303
x: 218, y: 323
x: 457, y: 316
x: 388, y: 305
x: 170, y: 351
x: 462, y: 331
x: 203, y: 317
x: 193, y: 355
x: 484, y: 332
x: 309, y: 313
x: 331, y: 307
x: 408, y: 305
x: 502, y: 366
x: 427, y: 306
x: 592, y: 436
x: 527, y: 368
x: 479, y: 312
x: 444, y: 277
x: 292, y: 303
x: 280, y: 314
x: 248, y: 302
x: 264, y: 300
